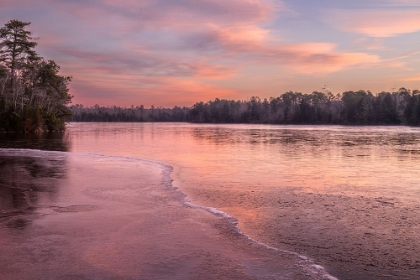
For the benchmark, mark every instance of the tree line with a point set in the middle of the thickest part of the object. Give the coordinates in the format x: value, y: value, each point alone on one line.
x: 132, y: 114
x: 33, y: 95
x: 349, y: 108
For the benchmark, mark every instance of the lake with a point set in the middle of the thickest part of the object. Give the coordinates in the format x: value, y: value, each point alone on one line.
x: 255, y: 198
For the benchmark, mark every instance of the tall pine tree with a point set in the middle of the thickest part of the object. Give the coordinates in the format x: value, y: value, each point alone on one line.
x: 33, y: 96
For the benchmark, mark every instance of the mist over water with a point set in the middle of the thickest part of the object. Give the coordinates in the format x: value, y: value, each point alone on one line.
x: 347, y: 197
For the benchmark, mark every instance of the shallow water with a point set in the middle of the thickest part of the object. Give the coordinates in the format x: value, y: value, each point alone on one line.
x: 348, y: 197
x: 86, y: 216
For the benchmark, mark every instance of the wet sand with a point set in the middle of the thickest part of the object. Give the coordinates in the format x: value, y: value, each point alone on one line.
x: 75, y: 216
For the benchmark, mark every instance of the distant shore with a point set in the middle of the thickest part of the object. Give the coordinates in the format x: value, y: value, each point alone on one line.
x: 322, y: 108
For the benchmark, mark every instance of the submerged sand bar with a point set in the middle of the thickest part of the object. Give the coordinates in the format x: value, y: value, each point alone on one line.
x: 84, y: 216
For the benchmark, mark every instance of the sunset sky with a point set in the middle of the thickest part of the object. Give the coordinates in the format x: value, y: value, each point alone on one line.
x: 178, y: 52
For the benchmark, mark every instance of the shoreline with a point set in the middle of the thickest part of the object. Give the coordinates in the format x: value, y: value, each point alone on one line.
x: 308, y: 262
x: 229, y: 232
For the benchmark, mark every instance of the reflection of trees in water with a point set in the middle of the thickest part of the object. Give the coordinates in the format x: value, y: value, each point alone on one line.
x: 28, y: 182
x: 51, y: 141
x: 223, y: 135
x: 309, y: 137
x: 315, y: 140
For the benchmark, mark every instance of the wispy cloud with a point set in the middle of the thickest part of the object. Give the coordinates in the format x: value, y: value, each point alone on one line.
x: 173, y: 14
x: 411, y: 79
x: 398, y: 3
x: 376, y: 23
x: 259, y: 48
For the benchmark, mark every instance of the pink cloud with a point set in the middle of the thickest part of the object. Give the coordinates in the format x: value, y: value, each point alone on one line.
x: 142, y: 65
x: 204, y: 24
x: 169, y: 92
x: 129, y: 78
x: 207, y: 71
x: 376, y: 23
x: 242, y: 34
x: 411, y: 79
x: 316, y: 63
x: 255, y: 44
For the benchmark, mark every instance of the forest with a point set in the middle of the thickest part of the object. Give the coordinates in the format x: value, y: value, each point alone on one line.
x: 33, y: 96
x: 361, y: 107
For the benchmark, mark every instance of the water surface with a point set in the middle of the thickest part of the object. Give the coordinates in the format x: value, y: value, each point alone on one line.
x: 91, y: 216
x: 347, y: 197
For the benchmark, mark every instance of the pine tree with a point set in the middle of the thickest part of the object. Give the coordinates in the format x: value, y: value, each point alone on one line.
x: 33, y: 96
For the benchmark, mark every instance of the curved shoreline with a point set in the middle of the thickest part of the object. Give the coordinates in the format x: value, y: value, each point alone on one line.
x: 306, y: 264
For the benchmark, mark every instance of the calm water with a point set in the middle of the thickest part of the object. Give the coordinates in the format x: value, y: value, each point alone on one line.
x: 347, y: 197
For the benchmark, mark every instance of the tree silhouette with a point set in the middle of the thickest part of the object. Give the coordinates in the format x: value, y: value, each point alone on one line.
x: 33, y: 96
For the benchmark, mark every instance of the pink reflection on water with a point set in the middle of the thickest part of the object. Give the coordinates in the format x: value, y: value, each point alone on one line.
x: 265, y: 157
x: 346, y: 196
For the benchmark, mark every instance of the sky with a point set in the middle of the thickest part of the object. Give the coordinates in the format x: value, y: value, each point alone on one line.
x: 179, y: 52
